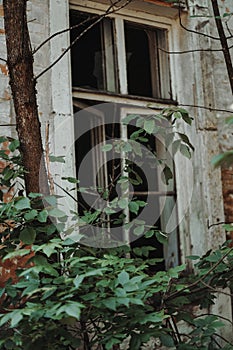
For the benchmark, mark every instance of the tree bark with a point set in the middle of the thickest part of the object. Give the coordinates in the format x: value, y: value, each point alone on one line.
x: 223, y: 39
x: 22, y: 82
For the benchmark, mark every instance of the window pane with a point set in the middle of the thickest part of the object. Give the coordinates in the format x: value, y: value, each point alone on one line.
x: 92, y: 55
x: 138, y: 61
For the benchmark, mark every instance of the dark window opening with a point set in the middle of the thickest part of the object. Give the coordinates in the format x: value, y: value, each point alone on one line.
x: 138, y: 61
x: 92, y: 56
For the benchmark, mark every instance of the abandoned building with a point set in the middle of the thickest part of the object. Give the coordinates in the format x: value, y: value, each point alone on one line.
x: 143, y: 56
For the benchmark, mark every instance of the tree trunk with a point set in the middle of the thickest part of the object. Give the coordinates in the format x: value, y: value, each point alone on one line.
x: 223, y: 39
x: 22, y: 82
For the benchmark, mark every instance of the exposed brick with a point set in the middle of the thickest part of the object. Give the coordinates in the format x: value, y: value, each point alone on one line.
x: 4, y: 69
x: 1, y: 11
x: 227, y: 183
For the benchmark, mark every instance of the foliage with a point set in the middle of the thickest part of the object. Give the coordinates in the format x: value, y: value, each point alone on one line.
x: 71, y: 294
x: 66, y: 295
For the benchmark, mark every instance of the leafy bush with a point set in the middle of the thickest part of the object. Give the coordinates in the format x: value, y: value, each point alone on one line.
x: 62, y: 294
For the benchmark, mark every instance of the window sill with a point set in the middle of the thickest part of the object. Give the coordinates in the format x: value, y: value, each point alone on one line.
x: 104, y: 96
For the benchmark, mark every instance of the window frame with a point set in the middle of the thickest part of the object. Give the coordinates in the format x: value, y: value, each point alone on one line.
x: 137, y: 19
x: 151, y: 21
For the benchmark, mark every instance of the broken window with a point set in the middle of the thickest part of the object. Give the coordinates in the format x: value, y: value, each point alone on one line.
x: 118, y: 59
x: 113, y: 53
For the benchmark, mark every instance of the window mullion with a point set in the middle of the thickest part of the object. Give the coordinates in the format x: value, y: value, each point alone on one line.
x: 109, y: 56
x: 121, y: 55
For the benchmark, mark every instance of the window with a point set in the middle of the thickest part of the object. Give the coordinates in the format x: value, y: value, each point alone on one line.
x: 119, y: 60
x: 120, y: 56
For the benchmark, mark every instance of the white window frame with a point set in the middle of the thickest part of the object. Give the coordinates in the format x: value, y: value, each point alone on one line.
x: 120, y: 17
x: 134, y: 102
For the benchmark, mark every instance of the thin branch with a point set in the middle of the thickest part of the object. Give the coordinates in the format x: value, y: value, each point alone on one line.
x: 221, y: 337
x: 217, y: 224
x: 3, y: 59
x: 108, y: 12
x: 70, y: 195
x: 219, y: 316
x: 191, y: 51
x: 227, y: 26
x: 215, y: 290
x: 50, y: 178
x: 194, y: 31
x: 62, y: 32
x: 8, y: 124
x: 200, y: 280
x: 207, y: 108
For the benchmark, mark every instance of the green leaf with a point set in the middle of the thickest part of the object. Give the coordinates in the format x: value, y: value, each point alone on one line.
x: 78, y: 280
x: 73, y: 309
x: 229, y: 120
x: 185, y: 139
x: 34, y: 195
x: 42, y: 216
x: 109, y: 211
x: 175, y: 146
x: 149, y: 233
x: 30, y: 215
x: 228, y: 227
x: 133, y: 207
x: 57, y: 213
x: 223, y: 158
x: 27, y: 235
x: 193, y: 257
x: 112, y: 341
x: 123, y: 277
x: 123, y: 203
x: 72, y: 180
x: 167, y: 175
x: 23, y: 203
x: 16, y: 317
x: 167, y: 340
x: 58, y: 159
x: 149, y: 125
x: 128, y: 118
x: 14, y: 145
x: 184, y: 149
x: 3, y: 139
x: 110, y: 303
x: 107, y: 147
x: 16, y: 253
x: 135, y: 342
x: 139, y: 230
x: 161, y: 237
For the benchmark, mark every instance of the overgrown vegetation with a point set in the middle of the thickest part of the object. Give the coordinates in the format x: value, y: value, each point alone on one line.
x: 62, y: 294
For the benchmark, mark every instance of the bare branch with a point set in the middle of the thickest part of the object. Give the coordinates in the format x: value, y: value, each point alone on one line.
x: 112, y: 9
x: 50, y: 178
x: 62, y: 32
x: 227, y: 26
x: 3, y: 59
x: 217, y: 224
x: 221, y: 337
x: 207, y: 108
x: 191, y: 51
x: 201, y: 279
x: 216, y: 290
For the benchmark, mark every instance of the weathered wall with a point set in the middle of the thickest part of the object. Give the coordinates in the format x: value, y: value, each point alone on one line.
x: 198, y: 79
